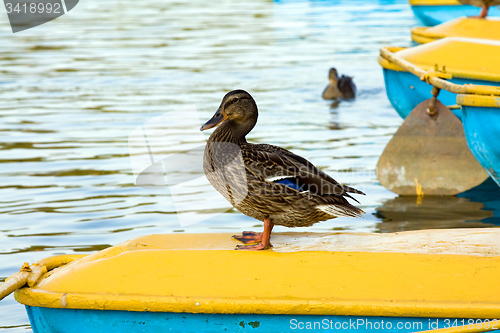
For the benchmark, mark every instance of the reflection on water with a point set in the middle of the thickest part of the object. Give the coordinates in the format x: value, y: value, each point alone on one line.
x: 476, y: 208
x: 73, y: 90
x: 335, y: 104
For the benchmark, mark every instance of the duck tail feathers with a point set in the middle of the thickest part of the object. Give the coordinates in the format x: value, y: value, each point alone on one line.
x: 350, y: 197
x: 338, y: 211
x: 352, y: 190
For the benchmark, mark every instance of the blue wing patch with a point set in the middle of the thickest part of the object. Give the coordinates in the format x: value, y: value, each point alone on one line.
x: 289, y: 183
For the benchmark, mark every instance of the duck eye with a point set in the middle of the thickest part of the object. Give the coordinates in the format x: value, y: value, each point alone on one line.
x: 236, y: 99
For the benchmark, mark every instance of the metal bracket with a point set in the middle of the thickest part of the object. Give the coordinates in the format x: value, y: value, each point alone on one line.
x: 431, y: 109
x: 435, y: 72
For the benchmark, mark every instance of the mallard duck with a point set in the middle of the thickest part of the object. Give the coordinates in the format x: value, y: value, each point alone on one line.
x: 266, y: 182
x: 484, y: 4
x: 342, y: 87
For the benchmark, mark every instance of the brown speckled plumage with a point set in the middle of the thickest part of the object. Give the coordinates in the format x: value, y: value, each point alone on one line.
x: 245, y: 173
x: 481, y: 3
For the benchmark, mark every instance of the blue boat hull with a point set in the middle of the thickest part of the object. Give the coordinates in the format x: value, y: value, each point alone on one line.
x: 405, y: 91
x: 84, y: 321
x: 482, y: 130
x: 434, y: 15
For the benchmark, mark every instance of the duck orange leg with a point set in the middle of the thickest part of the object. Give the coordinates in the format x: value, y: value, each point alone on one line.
x: 265, y: 241
x: 484, y: 11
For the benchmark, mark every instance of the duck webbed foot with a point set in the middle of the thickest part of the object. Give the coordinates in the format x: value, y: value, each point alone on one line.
x: 263, y: 240
x: 249, y: 237
x: 255, y: 247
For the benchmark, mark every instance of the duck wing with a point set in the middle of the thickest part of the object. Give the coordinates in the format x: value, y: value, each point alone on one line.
x: 273, y: 164
x: 346, y: 86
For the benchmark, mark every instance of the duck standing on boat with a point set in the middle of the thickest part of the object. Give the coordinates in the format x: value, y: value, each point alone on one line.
x: 339, y: 87
x: 266, y: 182
x: 484, y: 4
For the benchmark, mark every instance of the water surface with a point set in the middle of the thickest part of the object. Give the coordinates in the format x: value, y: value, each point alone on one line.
x: 73, y: 90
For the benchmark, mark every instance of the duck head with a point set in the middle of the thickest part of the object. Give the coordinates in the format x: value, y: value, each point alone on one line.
x: 237, y: 112
x: 333, y: 76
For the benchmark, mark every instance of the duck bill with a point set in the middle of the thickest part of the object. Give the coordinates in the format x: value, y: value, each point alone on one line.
x: 216, y: 120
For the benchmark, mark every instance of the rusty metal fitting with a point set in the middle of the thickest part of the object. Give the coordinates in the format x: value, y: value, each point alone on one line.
x: 26, y: 267
x: 431, y: 109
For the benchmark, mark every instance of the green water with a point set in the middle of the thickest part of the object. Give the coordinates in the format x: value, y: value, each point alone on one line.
x: 72, y: 91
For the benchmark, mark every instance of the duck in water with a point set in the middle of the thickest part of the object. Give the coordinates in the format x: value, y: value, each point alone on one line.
x: 339, y: 87
x: 266, y: 182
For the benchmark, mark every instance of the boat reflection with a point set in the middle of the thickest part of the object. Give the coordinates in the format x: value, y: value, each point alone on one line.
x: 476, y: 208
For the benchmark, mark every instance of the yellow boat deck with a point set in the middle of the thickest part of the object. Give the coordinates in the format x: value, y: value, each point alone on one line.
x: 432, y: 273
x: 461, y: 27
x: 459, y: 56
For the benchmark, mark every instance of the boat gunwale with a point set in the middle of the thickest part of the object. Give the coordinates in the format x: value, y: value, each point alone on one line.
x: 478, y: 101
x: 339, y: 307
x: 434, y: 3
x: 389, y: 65
x: 421, y: 35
